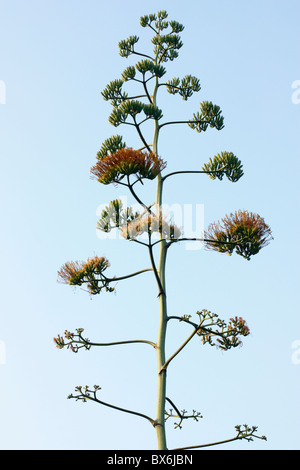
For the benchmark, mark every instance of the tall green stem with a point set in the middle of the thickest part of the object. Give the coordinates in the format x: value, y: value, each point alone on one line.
x: 161, y: 340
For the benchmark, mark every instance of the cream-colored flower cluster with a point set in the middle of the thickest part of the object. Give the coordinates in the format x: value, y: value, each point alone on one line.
x: 149, y: 222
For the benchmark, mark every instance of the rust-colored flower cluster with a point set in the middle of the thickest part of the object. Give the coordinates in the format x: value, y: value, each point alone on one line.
x: 127, y: 161
x: 243, y: 231
x: 89, y: 272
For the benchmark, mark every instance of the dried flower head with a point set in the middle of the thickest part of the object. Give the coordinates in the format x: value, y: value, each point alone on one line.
x: 243, y: 231
x: 125, y: 162
x: 150, y: 223
x: 79, y: 272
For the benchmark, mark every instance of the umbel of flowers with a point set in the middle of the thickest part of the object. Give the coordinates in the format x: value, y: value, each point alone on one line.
x: 243, y: 232
x: 90, y: 272
x: 150, y: 223
x: 112, y: 168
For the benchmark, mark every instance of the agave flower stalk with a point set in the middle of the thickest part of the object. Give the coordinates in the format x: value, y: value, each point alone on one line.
x: 242, y: 232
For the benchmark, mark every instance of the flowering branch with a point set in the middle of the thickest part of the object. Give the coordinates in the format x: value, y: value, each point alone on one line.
x: 76, y: 341
x: 91, y: 272
x: 245, y: 433
x: 210, y: 116
x: 85, y: 394
x: 243, y: 231
x: 225, y: 163
x: 227, y: 334
x: 124, y: 162
x: 181, y: 415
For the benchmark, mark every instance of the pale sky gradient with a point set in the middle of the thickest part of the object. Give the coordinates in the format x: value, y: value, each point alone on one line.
x: 55, y: 58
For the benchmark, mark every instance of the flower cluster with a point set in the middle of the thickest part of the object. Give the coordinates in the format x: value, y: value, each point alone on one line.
x: 148, y: 222
x: 181, y: 415
x: 214, y: 331
x: 210, y: 115
x: 126, y: 161
x: 80, y: 272
x: 229, y: 336
x: 74, y: 341
x: 110, y: 146
x: 225, y: 163
x: 85, y: 393
x: 243, y: 231
x: 247, y: 433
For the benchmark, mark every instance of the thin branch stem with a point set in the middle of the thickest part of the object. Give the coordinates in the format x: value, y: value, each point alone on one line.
x: 174, y: 317
x: 152, y: 421
x: 121, y: 278
x: 138, y: 96
x: 236, y: 438
x: 193, y: 171
x: 210, y: 444
x: 164, y: 367
x: 143, y: 55
x: 183, y: 122
x: 157, y: 277
x: 146, y: 89
x: 114, y: 343
x: 174, y: 406
x: 140, y: 134
x: 207, y: 240
x: 130, y: 186
x: 205, y: 329
x: 153, y: 29
x: 138, y: 241
x: 164, y: 53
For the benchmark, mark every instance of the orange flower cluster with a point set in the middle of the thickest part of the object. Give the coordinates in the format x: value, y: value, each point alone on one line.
x: 125, y: 162
x: 79, y: 272
x: 244, y: 232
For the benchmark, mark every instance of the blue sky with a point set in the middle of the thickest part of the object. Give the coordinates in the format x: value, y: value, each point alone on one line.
x: 55, y: 58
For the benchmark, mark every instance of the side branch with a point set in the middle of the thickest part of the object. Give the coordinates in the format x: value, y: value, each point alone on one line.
x: 137, y: 126
x: 247, y: 433
x: 158, y: 280
x: 106, y: 281
x: 91, y: 273
x: 228, y: 335
x: 193, y: 172
x: 164, y: 367
x: 184, y: 122
x: 136, y: 197
x: 127, y: 276
x: 181, y: 415
x: 76, y: 341
x: 87, y: 394
x: 205, y: 240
